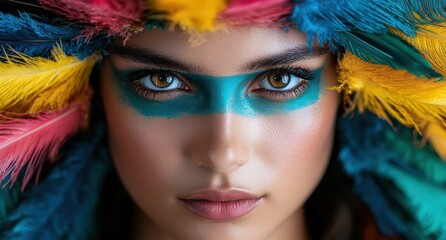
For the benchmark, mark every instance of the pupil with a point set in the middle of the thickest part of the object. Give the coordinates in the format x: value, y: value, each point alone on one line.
x: 279, y: 79
x: 162, y: 78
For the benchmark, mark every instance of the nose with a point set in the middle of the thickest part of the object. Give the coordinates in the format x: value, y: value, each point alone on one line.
x: 221, y: 142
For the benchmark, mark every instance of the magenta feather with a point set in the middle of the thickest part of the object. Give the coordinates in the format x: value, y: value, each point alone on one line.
x: 256, y: 12
x: 111, y: 17
x: 31, y: 141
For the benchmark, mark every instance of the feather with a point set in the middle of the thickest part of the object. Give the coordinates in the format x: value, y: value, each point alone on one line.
x: 9, y: 199
x: 325, y: 19
x: 110, y: 17
x: 430, y: 40
x: 423, y: 201
x: 199, y: 15
x: 402, y: 184
x: 387, y: 49
x: 357, y: 133
x: 406, y: 98
x: 63, y: 205
x: 31, y: 141
x: 255, y: 12
x: 421, y: 161
x: 424, y: 11
x: 31, y: 36
x: 436, y: 135
x: 33, y: 85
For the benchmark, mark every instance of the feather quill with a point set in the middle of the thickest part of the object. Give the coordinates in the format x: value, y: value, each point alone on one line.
x: 255, y: 12
x: 29, y: 35
x: 33, y: 85
x: 387, y: 49
x: 110, y: 17
x: 32, y: 141
x: 72, y: 189
x: 406, y: 98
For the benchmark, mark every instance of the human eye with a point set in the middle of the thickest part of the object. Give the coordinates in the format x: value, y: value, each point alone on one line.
x: 159, y: 84
x: 281, y: 83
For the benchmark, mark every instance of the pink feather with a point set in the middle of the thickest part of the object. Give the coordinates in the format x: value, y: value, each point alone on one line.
x: 112, y: 17
x: 33, y: 140
x: 257, y: 12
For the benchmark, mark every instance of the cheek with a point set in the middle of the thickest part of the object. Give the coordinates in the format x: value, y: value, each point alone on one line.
x: 297, y: 149
x: 141, y: 148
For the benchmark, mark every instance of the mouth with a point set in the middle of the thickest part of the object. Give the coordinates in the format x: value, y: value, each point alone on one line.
x: 221, y: 205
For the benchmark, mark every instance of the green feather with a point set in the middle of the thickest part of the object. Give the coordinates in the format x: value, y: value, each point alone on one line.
x: 387, y: 49
x: 424, y: 160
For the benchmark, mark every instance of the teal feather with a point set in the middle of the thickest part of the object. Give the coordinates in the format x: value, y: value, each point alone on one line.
x: 402, y: 183
x: 427, y: 163
x: 387, y: 49
x: 62, y: 206
x: 424, y: 202
x: 9, y: 198
x: 362, y: 146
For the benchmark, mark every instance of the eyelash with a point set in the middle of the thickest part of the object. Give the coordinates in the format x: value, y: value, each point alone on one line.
x: 304, y: 75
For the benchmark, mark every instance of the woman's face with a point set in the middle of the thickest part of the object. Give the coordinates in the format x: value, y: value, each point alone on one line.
x: 224, y: 140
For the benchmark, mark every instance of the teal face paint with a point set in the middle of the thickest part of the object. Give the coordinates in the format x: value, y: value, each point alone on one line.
x: 216, y: 95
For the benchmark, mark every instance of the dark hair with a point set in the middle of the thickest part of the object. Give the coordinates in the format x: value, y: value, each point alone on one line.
x: 330, y: 210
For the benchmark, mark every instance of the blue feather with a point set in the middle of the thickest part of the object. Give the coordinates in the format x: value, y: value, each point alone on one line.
x: 361, y: 149
x: 403, y: 185
x: 63, y: 205
x: 32, y: 36
x: 325, y: 19
x: 426, y: 11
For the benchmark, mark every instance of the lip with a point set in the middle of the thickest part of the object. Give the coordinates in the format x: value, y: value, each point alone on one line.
x: 221, y: 205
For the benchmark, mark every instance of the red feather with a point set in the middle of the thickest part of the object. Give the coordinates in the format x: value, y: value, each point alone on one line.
x: 257, y: 12
x: 112, y: 17
x: 33, y: 140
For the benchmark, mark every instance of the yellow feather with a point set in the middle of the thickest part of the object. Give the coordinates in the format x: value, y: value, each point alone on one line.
x: 189, y: 14
x: 430, y: 41
x: 35, y: 84
x: 389, y: 92
x: 436, y: 134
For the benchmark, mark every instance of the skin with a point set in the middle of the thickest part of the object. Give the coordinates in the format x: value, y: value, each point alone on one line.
x: 279, y: 155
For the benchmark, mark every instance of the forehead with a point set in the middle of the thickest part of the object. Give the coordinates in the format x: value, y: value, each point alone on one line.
x: 222, y: 52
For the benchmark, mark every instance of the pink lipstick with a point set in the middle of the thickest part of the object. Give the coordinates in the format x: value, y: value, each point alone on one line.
x: 221, y: 205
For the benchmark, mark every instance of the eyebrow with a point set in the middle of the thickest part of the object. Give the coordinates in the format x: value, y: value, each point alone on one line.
x: 289, y: 56
x: 299, y: 53
x: 146, y: 56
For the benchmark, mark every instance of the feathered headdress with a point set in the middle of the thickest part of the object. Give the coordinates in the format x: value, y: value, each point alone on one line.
x: 393, y: 65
